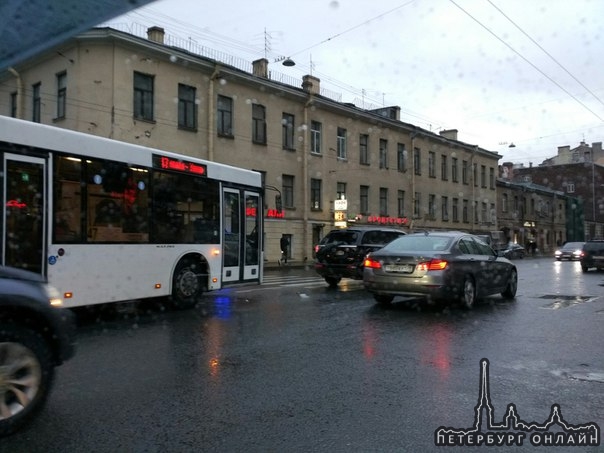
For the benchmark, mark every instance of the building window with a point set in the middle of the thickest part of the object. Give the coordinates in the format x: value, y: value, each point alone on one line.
x: 464, y: 172
x: 364, y: 149
x: 287, y: 188
x: 315, y: 137
x: 504, y: 203
x: 315, y: 193
x: 143, y: 96
x: 383, y: 201
x: 465, y: 214
x: 492, y: 213
x: 491, y: 177
x: 432, y: 207
x: 187, y: 108
x: 341, y: 143
x: 416, y: 205
x: 475, y: 174
x: 224, y: 116
x: 401, y: 203
x: 570, y: 188
x: 431, y: 164
x: 401, y: 157
x: 455, y: 209
x: 444, y: 168
x: 37, y: 103
x: 483, y: 176
x: 287, y: 125
x: 483, y: 214
x: 341, y: 191
x: 417, y: 163
x: 383, y: 153
x: 259, y: 124
x: 364, y: 200
x: 61, y: 94
x: 454, y: 175
x: 445, y: 208
x: 13, y: 104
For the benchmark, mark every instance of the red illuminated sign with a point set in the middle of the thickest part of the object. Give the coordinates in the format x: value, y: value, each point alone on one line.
x: 384, y: 220
x: 15, y: 204
x: 275, y: 214
x: 182, y: 166
x: 250, y: 212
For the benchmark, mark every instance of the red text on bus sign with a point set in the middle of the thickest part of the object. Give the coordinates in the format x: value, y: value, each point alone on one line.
x: 167, y: 163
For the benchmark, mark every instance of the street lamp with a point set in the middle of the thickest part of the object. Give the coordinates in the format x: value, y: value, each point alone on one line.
x: 286, y: 61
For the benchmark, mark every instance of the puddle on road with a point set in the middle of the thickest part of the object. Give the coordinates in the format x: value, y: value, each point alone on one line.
x: 562, y: 301
x: 580, y: 375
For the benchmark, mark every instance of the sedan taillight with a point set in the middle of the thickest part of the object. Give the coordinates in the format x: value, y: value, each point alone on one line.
x: 373, y: 264
x: 433, y: 265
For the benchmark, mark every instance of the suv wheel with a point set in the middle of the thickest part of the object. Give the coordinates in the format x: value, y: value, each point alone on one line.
x: 584, y: 268
x: 333, y: 281
x: 26, y: 373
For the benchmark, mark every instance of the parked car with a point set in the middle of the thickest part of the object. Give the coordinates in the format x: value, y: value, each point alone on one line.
x: 592, y: 255
x: 569, y: 251
x: 513, y: 251
x: 443, y: 266
x: 36, y: 335
x: 340, y: 253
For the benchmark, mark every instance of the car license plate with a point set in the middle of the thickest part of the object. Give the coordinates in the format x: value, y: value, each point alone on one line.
x: 403, y: 268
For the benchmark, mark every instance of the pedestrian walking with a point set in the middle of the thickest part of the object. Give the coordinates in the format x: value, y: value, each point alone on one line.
x: 284, y: 243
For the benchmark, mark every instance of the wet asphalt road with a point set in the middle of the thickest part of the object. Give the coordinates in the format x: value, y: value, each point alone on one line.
x: 293, y: 366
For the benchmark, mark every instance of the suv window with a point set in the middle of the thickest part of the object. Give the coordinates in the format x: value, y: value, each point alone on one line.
x: 340, y: 237
x: 592, y: 246
x: 379, y: 237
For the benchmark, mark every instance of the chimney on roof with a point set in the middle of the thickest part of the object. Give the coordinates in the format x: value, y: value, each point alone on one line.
x: 563, y: 149
x: 260, y: 68
x: 450, y: 134
x: 156, y: 34
x: 311, y: 84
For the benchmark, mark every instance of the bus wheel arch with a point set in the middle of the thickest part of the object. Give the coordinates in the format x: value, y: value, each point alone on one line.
x: 189, y: 280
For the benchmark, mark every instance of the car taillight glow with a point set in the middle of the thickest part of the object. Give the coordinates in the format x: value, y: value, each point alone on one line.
x: 433, y: 265
x: 373, y: 264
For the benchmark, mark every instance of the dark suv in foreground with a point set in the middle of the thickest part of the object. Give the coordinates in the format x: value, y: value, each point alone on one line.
x: 340, y: 253
x: 592, y: 255
x: 36, y: 335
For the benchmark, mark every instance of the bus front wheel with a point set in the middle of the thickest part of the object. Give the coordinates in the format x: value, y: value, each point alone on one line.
x: 187, y: 285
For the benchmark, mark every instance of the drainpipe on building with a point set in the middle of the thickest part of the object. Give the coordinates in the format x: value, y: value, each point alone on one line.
x: 307, y: 237
x: 474, y: 178
x: 20, y: 97
x: 211, y: 113
x: 412, y: 135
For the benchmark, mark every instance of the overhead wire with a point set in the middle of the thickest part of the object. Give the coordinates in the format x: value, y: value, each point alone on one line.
x: 528, y: 61
x: 546, y: 52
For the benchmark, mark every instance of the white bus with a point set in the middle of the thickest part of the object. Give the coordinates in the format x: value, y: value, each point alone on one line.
x: 107, y: 221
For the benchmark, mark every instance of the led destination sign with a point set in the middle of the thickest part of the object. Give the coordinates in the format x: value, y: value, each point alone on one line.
x: 182, y: 166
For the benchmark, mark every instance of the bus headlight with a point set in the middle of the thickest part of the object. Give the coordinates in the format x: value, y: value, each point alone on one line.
x: 54, y: 296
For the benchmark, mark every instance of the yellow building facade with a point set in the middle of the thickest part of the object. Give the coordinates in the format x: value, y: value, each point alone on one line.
x: 331, y: 163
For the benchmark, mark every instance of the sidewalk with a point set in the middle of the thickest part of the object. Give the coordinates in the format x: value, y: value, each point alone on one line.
x: 295, y: 264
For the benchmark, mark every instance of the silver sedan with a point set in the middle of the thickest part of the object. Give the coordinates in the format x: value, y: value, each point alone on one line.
x: 444, y: 266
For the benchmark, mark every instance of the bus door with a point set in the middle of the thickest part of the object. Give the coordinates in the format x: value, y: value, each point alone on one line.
x: 24, y: 198
x: 241, y: 235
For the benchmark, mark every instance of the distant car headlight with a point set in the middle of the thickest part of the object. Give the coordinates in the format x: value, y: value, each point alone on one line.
x: 54, y: 296
x: 557, y: 252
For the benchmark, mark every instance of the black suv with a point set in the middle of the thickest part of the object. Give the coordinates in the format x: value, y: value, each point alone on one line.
x: 341, y: 252
x: 592, y: 255
x: 35, y: 336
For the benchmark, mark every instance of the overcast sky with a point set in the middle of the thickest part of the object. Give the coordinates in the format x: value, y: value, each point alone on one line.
x: 528, y: 72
